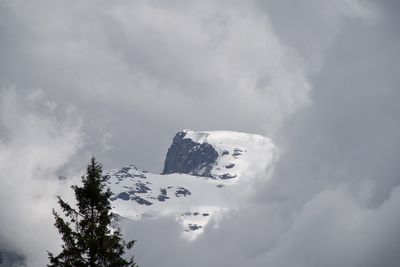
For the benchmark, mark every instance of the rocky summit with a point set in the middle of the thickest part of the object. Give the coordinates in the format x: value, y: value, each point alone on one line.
x: 187, y: 156
x: 218, y: 154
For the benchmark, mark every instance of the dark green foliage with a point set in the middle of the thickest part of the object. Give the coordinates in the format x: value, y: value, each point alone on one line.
x: 87, y: 237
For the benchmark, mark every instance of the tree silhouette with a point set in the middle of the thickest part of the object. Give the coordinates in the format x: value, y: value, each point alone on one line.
x: 87, y: 235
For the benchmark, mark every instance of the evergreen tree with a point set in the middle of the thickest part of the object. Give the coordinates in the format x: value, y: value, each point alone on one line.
x: 88, y: 239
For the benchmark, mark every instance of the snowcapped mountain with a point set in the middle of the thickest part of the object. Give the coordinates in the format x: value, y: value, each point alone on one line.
x: 221, y: 155
x: 201, y: 172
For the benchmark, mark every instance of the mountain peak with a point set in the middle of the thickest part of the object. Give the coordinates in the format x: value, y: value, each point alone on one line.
x: 220, y: 155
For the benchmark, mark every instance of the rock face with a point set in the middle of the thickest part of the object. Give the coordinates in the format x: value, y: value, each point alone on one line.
x: 189, y: 157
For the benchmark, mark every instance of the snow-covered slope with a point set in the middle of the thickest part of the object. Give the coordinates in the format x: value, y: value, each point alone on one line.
x: 193, y: 201
x: 205, y: 175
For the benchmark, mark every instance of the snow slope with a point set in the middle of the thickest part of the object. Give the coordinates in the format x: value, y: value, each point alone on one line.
x: 193, y: 201
x: 239, y: 154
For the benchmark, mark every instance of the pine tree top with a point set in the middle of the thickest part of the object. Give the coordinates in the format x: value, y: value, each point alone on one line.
x: 88, y: 239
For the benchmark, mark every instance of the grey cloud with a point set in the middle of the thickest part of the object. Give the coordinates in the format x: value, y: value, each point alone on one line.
x: 131, y: 67
x: 35, y: 146
x: 139, y: 71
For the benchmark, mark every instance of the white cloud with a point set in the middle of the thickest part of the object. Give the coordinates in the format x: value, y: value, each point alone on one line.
x: 139, y: 71
x: 34, y: 146
x: 135, y: 60
x: 332, y: 229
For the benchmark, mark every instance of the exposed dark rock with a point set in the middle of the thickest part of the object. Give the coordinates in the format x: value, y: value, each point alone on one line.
x: 127, y: 172
x: 105, y: 178
x: 139, y: 175
x: 237, y: 152
x: 230, y: 166
x: 182, y: 192
x: 162, y: 198
x: 141, y: 188
x: 225, y: 153
x: 123, y: 196
x: 227, y: 176
x: 206, y: 214
x: 123, y: 173
x: 163, y: 195
x: 127, y: 168
x: 141, y: 201
x: 194, y: 227
x: 187, y: 156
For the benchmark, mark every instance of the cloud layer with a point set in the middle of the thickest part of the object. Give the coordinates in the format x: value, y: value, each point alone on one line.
x: 118, y: 79
x: 146, y: 70
x: 35, y: 146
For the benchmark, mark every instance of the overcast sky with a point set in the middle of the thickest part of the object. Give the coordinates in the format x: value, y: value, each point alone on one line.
x: 118, y: 79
